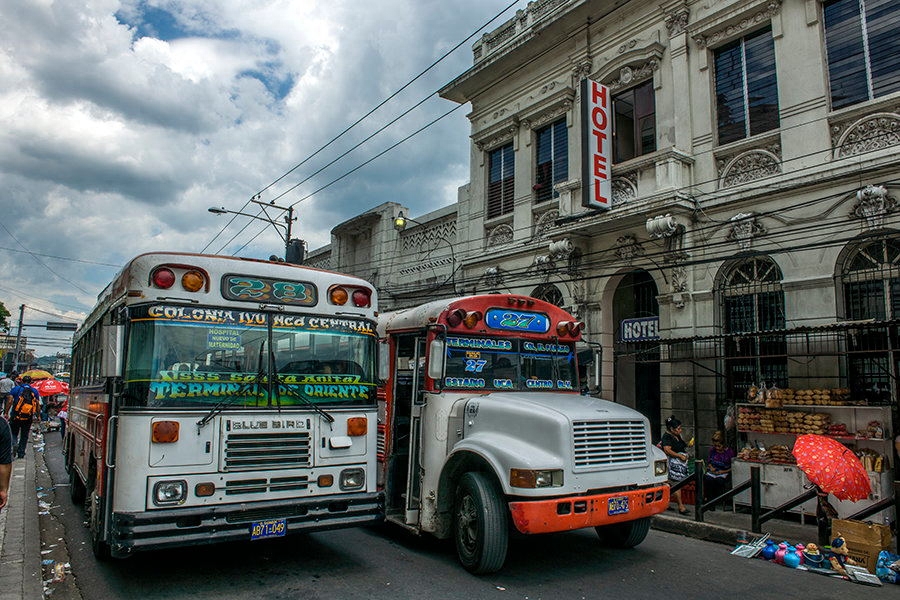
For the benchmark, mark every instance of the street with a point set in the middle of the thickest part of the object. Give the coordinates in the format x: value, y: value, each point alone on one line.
x: 389, y: 563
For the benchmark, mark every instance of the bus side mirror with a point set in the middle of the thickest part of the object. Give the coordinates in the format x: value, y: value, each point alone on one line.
x: 384, y: 360
x: 436, y: 354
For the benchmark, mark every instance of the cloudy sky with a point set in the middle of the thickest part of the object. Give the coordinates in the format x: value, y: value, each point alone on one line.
x: 122, y: 122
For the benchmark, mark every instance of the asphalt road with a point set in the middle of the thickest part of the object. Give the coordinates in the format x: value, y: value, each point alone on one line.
x: 382, y: 563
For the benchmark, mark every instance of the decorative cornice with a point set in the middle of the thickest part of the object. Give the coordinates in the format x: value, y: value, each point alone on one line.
x: 768, y: 10
x: 498, y: 134
x: 629, y: 76
x: 750, y: 165
x: 545, y: 222
x: 428, y: 237
x: 873, y: 205
x: 677, y: 22
x: 628, y: 248
x: 871, y: 132
x: 500, y: 235
x: 745, y: 227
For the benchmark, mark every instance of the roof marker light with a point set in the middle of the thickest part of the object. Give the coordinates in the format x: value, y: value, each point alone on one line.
x: 163, y: 278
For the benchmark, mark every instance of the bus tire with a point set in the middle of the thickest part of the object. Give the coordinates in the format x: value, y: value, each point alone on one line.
x: 77, y: 491
x: 479, y: 525
x: 624, y: 535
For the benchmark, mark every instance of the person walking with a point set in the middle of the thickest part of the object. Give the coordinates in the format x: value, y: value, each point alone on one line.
x: 26, y: 404
x: 7, y: 383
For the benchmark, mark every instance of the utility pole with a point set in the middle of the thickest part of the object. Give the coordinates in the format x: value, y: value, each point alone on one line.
x: 18, y: 338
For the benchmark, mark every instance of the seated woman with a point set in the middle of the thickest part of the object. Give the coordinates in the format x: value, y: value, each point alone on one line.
x: 717, y: 479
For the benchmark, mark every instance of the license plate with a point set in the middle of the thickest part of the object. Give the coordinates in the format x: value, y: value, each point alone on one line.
x: 617, y: 506
x: 268, y: 529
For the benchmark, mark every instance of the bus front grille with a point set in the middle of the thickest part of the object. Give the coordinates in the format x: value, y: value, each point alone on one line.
x: 283, y: 450
x: 601, y: 444
x: 262, y: 486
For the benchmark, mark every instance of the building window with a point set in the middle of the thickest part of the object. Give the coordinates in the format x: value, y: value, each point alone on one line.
x: 753, y: 304
x: 634, y: 122
x: 871, y: 285
x: 501, y: 177
x: 746, y: 88
x: 860, y: 39
x: 552, y: 159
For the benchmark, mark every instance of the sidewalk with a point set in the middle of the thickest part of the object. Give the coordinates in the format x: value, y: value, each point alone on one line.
x: 20, y: 539
x: 723, y: 527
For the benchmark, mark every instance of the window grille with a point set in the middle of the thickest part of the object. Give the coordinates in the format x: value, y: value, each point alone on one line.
x: 753, y: 302
x: 548, y: 293
x: 871, y: 285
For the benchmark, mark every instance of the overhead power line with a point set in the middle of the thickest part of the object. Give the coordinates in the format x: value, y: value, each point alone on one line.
x: 360, y: 120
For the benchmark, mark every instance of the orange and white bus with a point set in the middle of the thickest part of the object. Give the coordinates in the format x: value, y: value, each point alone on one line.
x: 483, y: 428
x: 217, y: 398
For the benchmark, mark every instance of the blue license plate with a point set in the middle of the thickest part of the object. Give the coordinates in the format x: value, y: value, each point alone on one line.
x: 268, y: 529
x: 617, y: 505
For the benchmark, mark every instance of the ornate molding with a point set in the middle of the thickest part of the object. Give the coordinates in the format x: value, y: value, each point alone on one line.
x: 677, y: 22
x: 628, y: 248
x: 428, y: 237
x: 872, y: 132
x: 624, y: 188
x: 629, y: 76
x: 873, y: 205
x: 498, y: 135
x: 769, y: 10
x: 547, y: 116
x: 545, y: 222
x: 500, y: 235
x: 745, y: 227
x: 750, y: 165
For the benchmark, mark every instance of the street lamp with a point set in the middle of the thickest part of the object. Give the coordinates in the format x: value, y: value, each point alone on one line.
x: 293, y: 248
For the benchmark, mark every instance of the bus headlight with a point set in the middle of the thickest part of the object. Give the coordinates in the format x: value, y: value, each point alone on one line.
x: 166, y: 493
x: 660, y: 467
x: 352, y: 479
x: 529, y: 478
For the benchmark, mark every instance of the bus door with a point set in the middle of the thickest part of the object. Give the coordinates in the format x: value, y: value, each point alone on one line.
x: 404, y: 463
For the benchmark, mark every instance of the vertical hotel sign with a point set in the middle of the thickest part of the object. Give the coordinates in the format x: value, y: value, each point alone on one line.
x: 596, y: 144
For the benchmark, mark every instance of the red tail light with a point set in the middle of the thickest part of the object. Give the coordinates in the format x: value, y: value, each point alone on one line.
x: 455, y: 318
x: 163, y: 278
x: 362, y: 298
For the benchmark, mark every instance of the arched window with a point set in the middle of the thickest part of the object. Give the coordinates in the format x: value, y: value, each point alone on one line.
x: 870, y: 280
x: 548, y: 293
x: 753, y: 304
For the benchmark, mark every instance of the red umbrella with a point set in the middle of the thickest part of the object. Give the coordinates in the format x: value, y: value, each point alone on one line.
x: 832, y: 466
x: 50, y: 387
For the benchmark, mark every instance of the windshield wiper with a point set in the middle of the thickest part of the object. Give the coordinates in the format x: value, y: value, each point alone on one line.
x: 322, y: 412
x: 221, y: 404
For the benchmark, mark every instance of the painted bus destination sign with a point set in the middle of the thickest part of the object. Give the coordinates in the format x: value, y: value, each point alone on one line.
x: 639, y: 330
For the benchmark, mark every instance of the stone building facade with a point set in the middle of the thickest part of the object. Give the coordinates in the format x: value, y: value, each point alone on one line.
x: 755, y: 176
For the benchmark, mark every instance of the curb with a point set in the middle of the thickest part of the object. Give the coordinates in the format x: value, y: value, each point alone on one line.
x: 20, y: 562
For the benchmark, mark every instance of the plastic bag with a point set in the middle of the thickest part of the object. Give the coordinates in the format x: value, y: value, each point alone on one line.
x: 728, y: 422
x: 887, y: 566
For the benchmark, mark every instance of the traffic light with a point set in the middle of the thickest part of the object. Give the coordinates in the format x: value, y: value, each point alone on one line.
x: 295, y: 252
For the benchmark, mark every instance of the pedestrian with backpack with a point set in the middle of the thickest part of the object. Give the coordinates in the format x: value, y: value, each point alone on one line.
x: 26, y: 404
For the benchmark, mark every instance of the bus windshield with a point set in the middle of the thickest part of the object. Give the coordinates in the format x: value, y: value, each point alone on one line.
x: 183, y: 357
x: 510, y: 364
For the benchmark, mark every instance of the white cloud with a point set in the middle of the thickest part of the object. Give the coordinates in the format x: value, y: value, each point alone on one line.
x: 115, y: 138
